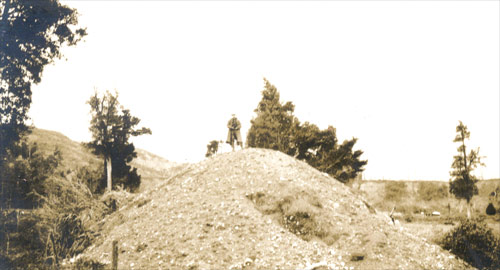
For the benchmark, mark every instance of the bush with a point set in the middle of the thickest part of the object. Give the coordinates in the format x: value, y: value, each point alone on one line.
x: 60, y: 229
x: 475, y: 243
x: 93, y: 177
x: 432, y: 191
x: 212, y: 148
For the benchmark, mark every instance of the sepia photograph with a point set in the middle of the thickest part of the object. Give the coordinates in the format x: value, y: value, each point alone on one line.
x: 258, y: 134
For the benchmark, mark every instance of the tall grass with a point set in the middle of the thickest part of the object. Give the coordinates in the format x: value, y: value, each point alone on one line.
x: 58, y: 230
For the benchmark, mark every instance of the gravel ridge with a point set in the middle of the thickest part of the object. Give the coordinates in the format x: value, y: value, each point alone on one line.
x: 203, y: 218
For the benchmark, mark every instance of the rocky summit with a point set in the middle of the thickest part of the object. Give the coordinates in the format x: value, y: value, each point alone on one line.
x: 258, y: 209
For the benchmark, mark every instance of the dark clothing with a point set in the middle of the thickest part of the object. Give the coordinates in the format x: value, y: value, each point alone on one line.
x: 234, y: 131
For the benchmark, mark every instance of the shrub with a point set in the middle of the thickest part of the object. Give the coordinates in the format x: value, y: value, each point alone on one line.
x: 60, y: 229
x: 93, y: 177
x: 475, y: 243
x: 432, y: 191
x: 212, y: 148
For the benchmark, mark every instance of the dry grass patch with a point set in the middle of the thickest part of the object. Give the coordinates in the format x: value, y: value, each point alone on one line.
x: 299, y: 212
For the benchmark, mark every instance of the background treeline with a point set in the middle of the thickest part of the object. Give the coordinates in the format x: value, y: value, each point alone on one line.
x: 276, y: 127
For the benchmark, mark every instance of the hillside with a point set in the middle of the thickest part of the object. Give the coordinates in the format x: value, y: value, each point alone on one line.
x: 74, y: 154
x: 258, y: 209
x: 150, y: 166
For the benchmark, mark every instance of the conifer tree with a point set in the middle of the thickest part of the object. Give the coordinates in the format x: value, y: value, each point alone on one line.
x: 111, y: 130
x: 275, y: 127
x: 272, y: 128
x: 463, y: 182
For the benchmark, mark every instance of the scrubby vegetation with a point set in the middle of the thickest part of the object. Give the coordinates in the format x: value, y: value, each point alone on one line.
x: 51, y: 211
x: 395, y: 191
x: 60, y: 228
x: 298, y: 212
x: 475, y: 243
x: 432, y: 191
x: 212, y: 148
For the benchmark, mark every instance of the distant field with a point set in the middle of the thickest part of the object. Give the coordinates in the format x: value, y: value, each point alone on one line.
x: 412, y: 198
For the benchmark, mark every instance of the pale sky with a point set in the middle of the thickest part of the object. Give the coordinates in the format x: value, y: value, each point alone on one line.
x: 397, y: 75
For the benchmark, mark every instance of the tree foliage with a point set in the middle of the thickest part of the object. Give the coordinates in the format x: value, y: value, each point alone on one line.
x: 111, y: 127
x: 32, y: 34
x: 463, y: 182
x: 27, y: 174
x: 275, y: 127
x: 321, y: 150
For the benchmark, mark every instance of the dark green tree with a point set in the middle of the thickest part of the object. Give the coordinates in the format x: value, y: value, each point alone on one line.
x: 320, y: 149
x: 463, y: 182
x: 306, y: 141
x: 111, y: 129
x: 31, y: 36
x: 273, y: 126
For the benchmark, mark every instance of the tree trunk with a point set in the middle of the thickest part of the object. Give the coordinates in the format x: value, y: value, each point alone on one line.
x: 468, y: 210
x: 8, y: 242
x: 108, y: 170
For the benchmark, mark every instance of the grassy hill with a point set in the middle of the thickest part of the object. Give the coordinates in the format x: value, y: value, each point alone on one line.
x: 258, y: 209
x: 74, y: 154
x: 151, y: 167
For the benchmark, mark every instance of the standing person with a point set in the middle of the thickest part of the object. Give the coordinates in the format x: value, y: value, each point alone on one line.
x: 233, y: 134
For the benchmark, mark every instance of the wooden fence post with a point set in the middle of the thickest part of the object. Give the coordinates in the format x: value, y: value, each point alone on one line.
x: 114, y: 262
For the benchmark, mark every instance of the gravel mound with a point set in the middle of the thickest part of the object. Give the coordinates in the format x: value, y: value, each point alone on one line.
x: 258, y: 209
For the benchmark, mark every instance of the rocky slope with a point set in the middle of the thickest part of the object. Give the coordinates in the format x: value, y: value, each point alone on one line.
x: 258, y: 209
